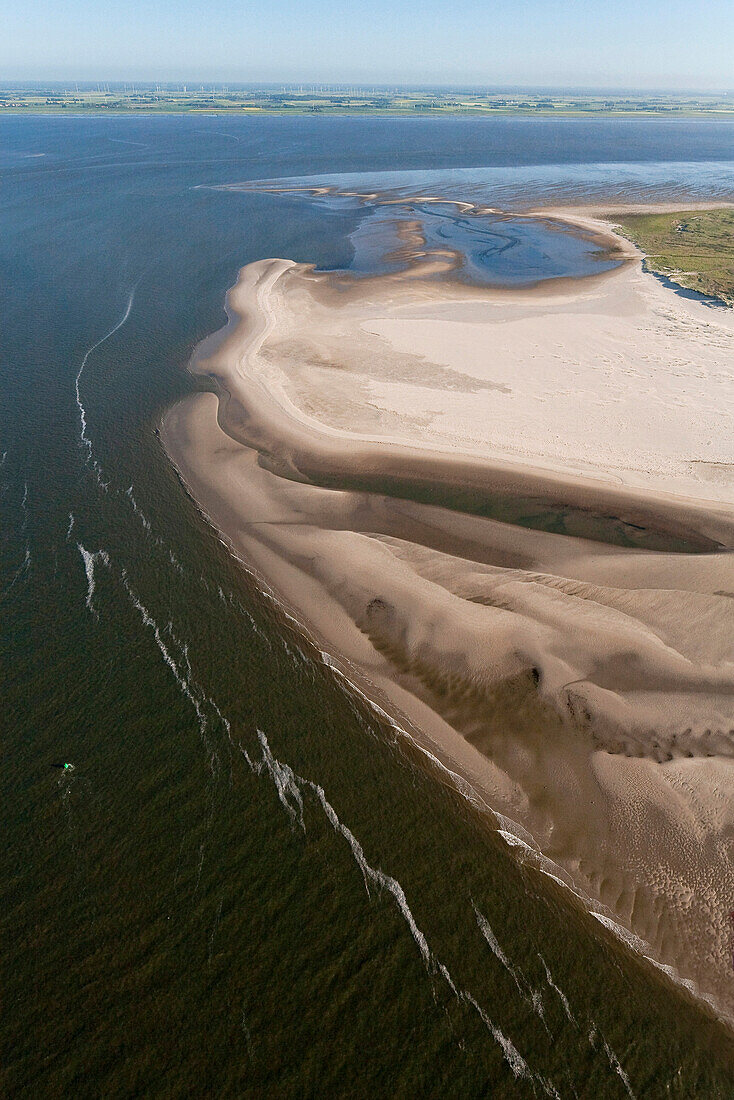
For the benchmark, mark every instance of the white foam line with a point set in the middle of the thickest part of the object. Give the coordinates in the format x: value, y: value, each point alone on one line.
x: 20, y: 571
x: 286, y: 783
x: 235, y: 604
x: 559, y: 992
x: 515, y: 1060
x: 150, y: 622
x: 184, y: 651
x: 187, y: 682
x: 289, y: 786
x: 175, y: 562
x: 202, y: 848
x: 90, y: 559
x: 535, y: 858
x: 148, y: 528
x: 84, y: 438
x: 70, y: 528
x: 378, y: 878
x: 3, y: 487
x: 137, y: 511
x: 259, y: 581
x: 228, y: 727
x: 612, y: 1059
x: 458, y: 782
x: 203, y: 700
x: 465, y: 789
x: 516, y: 842
x: 24, y: 506
x: 640, y: 947
x: 615, y: 1063
x: 486, y: 929
x: 245, y: 1028
x: 524, y: 849
x: 525, y: 989
x: 220, y: 133
x: 252, y: 765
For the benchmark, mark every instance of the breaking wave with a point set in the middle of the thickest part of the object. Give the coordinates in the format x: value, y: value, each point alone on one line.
x: 90, y: 559
x: 290, y: 788
x: 84, y: 438
x: 293, y: 791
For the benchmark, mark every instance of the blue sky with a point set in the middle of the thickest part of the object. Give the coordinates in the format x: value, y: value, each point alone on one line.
x: 601, y: 43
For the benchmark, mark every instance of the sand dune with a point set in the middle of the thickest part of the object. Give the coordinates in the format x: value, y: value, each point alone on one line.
x: 511, y: 515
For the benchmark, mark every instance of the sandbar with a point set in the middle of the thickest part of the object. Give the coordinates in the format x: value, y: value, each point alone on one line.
x: 508, y: 516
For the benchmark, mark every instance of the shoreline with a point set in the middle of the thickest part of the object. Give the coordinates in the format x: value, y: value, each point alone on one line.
x: 323, y: 552
x: 512, y: 833
x: 594, y: 221
x: 677, y: 279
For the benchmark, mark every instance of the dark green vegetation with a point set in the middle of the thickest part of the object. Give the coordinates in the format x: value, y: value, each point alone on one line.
x: 694, y: 248
x: 347, y: 100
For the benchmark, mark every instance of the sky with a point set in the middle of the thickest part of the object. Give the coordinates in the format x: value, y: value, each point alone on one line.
x: 564, y: 43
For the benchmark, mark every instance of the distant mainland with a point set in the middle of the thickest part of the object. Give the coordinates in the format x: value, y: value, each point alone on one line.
x: 184, y: 97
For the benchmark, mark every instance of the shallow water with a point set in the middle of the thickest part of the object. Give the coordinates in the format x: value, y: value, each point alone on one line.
x: 249, y: 883
x: 490, y: 250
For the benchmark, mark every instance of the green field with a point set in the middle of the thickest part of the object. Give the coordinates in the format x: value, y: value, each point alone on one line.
x: 695, y: 248
x: 334, y: 100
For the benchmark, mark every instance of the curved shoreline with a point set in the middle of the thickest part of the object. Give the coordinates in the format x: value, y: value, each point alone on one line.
x: 405, y: 591
x: 513, y: 835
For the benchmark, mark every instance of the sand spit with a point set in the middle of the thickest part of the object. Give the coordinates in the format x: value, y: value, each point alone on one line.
x: 510, y: 514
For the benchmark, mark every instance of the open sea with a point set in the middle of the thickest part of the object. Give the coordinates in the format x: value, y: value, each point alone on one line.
x: 250, y: 884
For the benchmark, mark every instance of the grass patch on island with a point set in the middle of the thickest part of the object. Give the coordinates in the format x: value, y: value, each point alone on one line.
x: 693, y: 248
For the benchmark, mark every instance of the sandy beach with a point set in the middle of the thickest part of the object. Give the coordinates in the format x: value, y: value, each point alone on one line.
x: 509, y: 516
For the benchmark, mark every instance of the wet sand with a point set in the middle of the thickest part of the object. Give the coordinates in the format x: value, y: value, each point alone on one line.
x: 509, y: 516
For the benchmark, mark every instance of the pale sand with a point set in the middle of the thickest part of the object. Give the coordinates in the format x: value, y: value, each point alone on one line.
x: 585, y: 690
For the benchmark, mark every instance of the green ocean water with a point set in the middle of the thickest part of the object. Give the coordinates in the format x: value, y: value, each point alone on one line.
x: 248, y: 884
